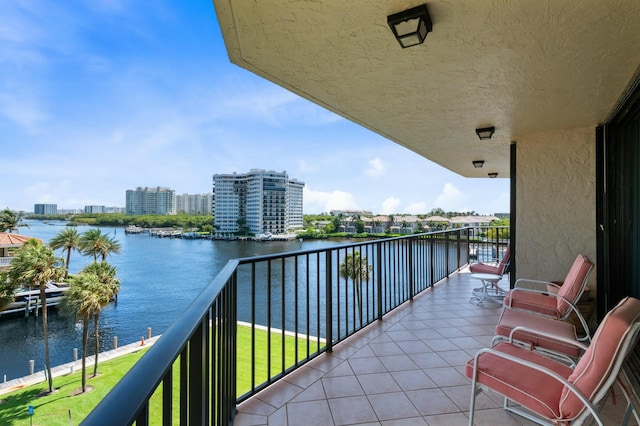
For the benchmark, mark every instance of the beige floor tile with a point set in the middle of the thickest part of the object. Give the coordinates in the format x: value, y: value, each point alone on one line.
x: 407, y: 369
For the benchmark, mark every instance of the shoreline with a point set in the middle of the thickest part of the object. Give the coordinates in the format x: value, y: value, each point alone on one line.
x: 74, y: 366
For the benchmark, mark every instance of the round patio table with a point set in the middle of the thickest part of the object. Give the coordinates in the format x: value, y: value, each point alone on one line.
x: 490, y: 291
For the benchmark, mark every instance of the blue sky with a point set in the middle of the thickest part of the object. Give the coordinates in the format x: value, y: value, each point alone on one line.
x: 97, y: 97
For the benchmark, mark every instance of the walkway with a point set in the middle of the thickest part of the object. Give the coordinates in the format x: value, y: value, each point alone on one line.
x: 70, y: 367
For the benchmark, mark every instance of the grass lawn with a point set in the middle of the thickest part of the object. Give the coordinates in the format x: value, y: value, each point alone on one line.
x: 55, y: 409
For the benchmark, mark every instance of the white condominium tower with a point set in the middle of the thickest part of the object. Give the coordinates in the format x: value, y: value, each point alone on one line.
x: 157, y: 200
x: 264, y: 201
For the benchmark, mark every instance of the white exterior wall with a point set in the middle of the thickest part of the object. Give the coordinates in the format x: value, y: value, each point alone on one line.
x: 294, y: 204
x: 227, y: 206
x: 556, y: 201
x: 265, y: 202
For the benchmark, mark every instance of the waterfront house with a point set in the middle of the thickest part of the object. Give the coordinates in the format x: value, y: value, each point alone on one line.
x: 9, y: 243
x: 545, y: 94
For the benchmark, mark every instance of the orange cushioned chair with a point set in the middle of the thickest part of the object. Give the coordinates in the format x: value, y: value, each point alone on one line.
x: 557, y: 304
x: 497, y: 269
x: 554, y: 392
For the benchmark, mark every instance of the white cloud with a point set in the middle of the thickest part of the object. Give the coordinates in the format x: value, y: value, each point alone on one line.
x: 390, y: 205
x: 417, y: 207
x: 376, y: 167
x: 451, y: 198
x: 323, y: 202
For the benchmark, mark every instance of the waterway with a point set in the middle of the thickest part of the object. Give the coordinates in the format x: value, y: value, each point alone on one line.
x: 160, y: 277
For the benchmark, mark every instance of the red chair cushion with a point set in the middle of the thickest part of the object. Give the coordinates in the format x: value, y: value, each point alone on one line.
x: 531, y: 301
x: 596, y: 364
x: 573, y: 285
x: 519, y: 383
x: 512, y: 318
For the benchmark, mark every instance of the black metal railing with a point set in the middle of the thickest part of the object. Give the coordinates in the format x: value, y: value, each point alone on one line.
x: 289, y: 308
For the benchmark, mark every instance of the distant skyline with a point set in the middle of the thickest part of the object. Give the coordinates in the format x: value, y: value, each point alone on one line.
x: 100, y: 97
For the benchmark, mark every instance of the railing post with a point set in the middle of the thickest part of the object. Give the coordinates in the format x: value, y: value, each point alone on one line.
x: 458, y: 234
x: 379, y: 279
x: 197, y: 384
x: 410, y: 271
x: 446, y: 253
x: 431, y: 260
x: 329, y: 301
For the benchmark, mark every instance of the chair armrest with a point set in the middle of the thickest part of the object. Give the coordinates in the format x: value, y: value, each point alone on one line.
x: 551, y: 374
x: 508, y: 302
x: 572, y: 308
x: 521, y: 281
x: 575, y: 343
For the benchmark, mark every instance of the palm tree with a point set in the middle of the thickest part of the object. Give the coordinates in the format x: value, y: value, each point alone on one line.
x: 36, y: 265
x: 93, y: 242
x: 356, y: 268
x: 108, y: 289
x: 68, y: 239
x: 6, y: 290
x: 11, y: 220
x: 82, y: 299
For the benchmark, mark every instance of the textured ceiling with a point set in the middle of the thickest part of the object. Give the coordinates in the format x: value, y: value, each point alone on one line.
x: 523, y: 66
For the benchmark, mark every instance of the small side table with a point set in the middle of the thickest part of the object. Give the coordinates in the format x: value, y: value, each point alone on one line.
x: 489, y: 290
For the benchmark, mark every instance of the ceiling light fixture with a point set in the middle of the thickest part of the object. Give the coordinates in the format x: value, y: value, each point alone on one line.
x: 478, y: 163
x: 493, y: 175
x: 485, y: 133
x: 411, y: 26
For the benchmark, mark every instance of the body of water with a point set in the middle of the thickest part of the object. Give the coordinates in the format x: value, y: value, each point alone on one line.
x: 159, y: 277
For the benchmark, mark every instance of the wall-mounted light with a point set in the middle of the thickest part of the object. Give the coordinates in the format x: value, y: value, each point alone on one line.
x: 478, y: 163
x: 485, y: 133
x: 411, y: 26
x: 493, y: 175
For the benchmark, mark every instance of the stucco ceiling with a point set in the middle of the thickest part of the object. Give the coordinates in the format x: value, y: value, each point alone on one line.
x: 523, y: 66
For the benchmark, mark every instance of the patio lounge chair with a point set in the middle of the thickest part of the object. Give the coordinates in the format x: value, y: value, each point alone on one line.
x: 558, y: 303
x: 538, y: 311
x: 490, y: 268
x: 552, y: 392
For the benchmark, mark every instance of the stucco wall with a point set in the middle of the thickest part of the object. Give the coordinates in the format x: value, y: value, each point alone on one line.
x: 555, y: 202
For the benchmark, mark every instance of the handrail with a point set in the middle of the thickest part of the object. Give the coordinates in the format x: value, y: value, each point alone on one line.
x: 320, y: 297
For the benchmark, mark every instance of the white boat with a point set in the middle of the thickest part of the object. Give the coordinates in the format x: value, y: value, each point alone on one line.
x: 28, y: 300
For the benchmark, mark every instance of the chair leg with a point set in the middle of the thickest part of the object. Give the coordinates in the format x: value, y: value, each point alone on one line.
x: 475, y: 390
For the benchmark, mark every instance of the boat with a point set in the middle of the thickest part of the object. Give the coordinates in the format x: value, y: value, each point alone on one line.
x: 28, y: 300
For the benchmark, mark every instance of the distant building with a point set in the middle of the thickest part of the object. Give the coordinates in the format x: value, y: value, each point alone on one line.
x: 45, y: 208
x: 70, y: 211
x: 93, y: 209
x: 350, y: 212
x: 102, y: 209
x: 114, y: 209
x: 158, y: 200
x: 194, y: 203
x: 264, y: 201
x: 296, y: 189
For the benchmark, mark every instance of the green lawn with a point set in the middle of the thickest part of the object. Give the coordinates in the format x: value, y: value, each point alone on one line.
x: 55, y: 409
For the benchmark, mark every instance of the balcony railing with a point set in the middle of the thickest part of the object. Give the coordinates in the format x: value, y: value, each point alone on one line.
x: 5, y: 261
x: 296, y: 306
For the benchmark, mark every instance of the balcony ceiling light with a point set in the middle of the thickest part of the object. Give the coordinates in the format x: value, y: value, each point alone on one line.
x: 411, y: 26
x: 478, y: 163
x: 485, y: 133
x: 493, y: 175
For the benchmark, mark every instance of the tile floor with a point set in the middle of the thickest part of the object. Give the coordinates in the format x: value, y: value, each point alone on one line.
x: 407, y: 369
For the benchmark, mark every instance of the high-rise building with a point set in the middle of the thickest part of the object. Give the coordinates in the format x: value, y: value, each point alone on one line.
x: 263, y: 201
x: 45, y: 208
x: 194, y: 203
x: 296, y: 189
x: 146, y: 200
